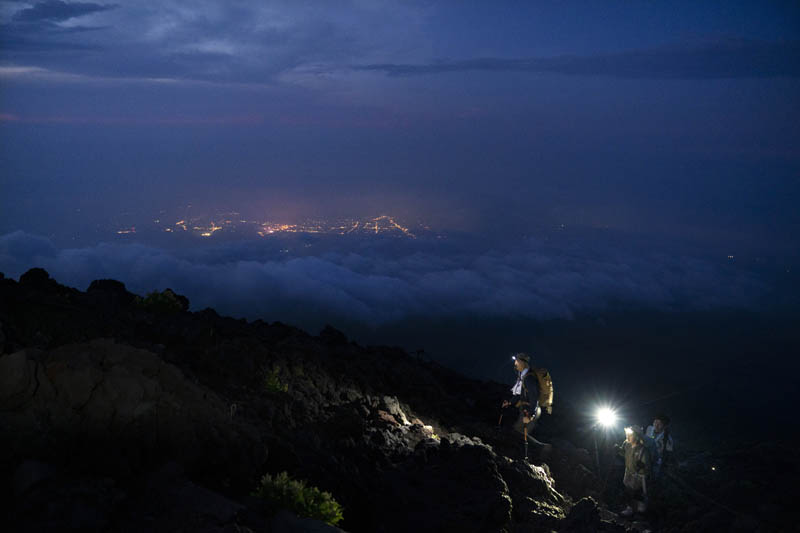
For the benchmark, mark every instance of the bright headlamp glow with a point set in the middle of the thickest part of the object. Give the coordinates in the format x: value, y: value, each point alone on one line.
x: 606, y: 417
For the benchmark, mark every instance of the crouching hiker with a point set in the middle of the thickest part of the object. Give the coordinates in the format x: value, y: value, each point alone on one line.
x: 532, y: 391
x: 637, y: 470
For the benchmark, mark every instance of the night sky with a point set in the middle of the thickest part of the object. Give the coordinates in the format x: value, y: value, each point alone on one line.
x: 574, y: 159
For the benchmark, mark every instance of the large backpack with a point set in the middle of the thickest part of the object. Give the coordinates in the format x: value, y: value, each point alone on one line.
x: 545, y: 389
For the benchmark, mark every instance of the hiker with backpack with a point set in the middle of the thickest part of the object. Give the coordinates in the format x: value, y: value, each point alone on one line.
x: 532, y: 392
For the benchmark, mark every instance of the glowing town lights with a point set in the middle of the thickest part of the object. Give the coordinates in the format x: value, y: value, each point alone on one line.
x: 204, y: 227
x: 393, y: 224
x: 208, y: 232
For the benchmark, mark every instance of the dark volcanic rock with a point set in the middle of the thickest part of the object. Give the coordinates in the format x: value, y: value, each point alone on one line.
x: 106, y: 402
x: 584, y: 517
x: 88, y: 424
x: 37, y: 278
x: 110, y: 293
x: 212, y: 394
x: 332, y: 336
x: 29, y: 474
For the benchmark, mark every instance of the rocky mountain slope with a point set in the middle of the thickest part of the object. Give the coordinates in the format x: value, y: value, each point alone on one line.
x: 122, y: 413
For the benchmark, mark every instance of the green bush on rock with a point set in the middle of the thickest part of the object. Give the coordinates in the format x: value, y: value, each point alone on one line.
x: 283, y: 492
x: 164, y: 302
x: 272, y: 381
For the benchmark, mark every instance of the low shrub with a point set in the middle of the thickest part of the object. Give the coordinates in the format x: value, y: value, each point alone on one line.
x: 283, y: 492
x: 272, y: 381
x: 164, y: 302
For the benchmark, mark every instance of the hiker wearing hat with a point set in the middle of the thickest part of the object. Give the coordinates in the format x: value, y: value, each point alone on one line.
x: 525, y: 397
x: 637, y: 469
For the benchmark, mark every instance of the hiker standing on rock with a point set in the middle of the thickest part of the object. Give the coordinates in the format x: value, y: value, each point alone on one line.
x: 661, y: 445
x: 525, y: 396
x: 637, y: 470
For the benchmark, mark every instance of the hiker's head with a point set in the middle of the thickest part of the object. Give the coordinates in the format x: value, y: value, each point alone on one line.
x: 634, y: 434
x: 521, y: 361
x: 660, y: 422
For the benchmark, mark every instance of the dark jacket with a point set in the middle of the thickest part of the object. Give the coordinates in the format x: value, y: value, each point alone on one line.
x: 528, y: 401
x: 637, y: 466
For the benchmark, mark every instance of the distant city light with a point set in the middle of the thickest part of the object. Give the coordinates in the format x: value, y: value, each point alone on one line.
x: 233, y: 224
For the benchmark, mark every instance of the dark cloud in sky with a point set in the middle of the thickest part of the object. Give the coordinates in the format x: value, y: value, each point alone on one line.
x: 375, y: 285
x: 58, y: 11
x: 262, y: 41
x: 230, y: 42
x: 43, y: 38
x: 726, y: 59
x: 48, y: 28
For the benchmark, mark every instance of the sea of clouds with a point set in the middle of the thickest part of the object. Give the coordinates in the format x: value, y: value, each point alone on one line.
x: 385, y: 281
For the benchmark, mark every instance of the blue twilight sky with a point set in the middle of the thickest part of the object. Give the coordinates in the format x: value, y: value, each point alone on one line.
x: 660, y: 122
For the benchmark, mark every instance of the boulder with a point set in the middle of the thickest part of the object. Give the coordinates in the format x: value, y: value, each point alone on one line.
x: 37, y: 278
x: 17, y: 383
x: 119, y: 405
x: 584, y: 517
x: 110, y: 292
x: 392, y: 405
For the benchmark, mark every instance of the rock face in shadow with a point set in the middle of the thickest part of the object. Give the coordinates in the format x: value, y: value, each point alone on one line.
x: 116, y: 416
x: 98, y: 393
x: 89, y: 398
x: 120, y: 410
